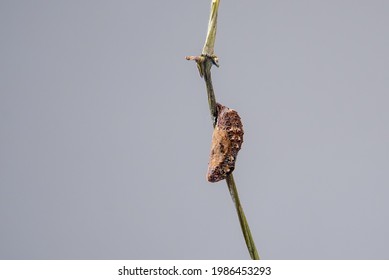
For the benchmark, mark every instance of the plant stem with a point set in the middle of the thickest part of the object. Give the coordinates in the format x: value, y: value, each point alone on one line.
x: 211, y: 95
x: 209, y: 45
x: 242, y: 218
x: 204, y: 64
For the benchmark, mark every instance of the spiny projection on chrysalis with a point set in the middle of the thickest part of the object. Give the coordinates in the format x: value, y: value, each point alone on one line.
x: 227, y: 139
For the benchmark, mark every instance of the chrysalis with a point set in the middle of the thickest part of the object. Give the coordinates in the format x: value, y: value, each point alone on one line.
x: 227, y: 139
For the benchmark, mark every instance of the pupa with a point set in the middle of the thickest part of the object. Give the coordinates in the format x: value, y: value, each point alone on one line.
x: 227, y: 139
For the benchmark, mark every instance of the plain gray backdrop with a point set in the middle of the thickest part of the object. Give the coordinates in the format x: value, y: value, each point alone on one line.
x: 105, y: 130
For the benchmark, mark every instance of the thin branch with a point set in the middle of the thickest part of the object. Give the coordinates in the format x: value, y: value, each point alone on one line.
x: 242, y: 218
x: 211, y: 58
x: 210, y: 92
x: 204, y: 65
x: 209, y: 45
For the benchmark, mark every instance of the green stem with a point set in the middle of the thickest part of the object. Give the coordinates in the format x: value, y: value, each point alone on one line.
x: 242, y: 218
x: 207, y: 64
x: 204, y: 64
x: 209, y: 45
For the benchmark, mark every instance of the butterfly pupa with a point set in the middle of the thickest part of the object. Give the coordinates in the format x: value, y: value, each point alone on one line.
x: 227, y: 139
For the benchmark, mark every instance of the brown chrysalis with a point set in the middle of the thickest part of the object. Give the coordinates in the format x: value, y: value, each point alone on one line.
x: 227, y: 139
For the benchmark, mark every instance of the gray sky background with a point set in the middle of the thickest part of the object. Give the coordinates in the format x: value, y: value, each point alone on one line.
x: 105, y: 130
